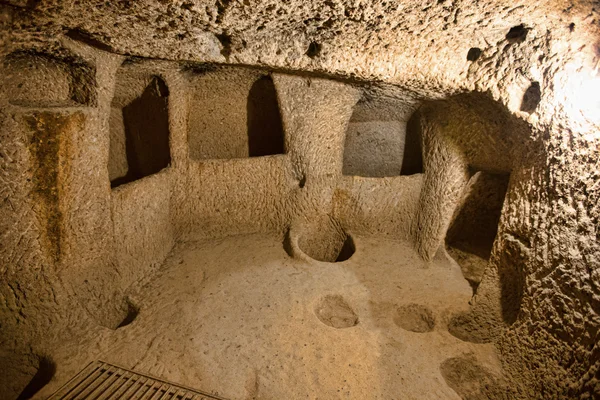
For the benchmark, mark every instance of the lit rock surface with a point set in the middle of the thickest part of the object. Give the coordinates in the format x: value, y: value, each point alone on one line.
x: 500, y: 87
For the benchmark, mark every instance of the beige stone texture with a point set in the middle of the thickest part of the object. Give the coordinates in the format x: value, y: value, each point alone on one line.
x: 195, y: 250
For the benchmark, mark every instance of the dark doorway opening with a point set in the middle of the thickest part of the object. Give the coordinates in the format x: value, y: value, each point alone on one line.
x: 472, y: 233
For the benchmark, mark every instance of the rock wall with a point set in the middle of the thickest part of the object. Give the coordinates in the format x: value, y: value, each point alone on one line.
x: 529, y: 71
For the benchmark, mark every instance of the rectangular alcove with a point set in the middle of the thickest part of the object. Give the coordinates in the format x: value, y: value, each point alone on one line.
x: 380, y: 142
x: 139, y: 127
x: 234, y: 113
x: 34, y: 79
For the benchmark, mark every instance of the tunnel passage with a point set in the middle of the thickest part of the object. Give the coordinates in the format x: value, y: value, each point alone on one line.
x: 380, y: 141
x: 234, y: 113
x: 139, y: 129
x: 466, y: 133
x: 474, y: 226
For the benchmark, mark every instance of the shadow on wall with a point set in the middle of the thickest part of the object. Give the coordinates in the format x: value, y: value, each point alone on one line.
x: 265, y: 129
x: 412, y: 161
x: 512, y: 278
x: 471, y: 235
x: 140, y: 139
x: 494, y: 312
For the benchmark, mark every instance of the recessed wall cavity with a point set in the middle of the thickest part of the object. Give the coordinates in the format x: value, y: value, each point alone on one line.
x: 382, y: 140
x: 40, y: 80
x: 462, y: 134
x: 233, y: 113
x: 139, y: 127
x: 466, y: 133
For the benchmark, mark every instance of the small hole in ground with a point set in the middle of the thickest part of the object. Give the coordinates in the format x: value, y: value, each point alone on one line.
x: 333, y: 311
x: 347, y: 250
x: 517, y: 34
x: 45, y: 372
x: 132, y: 313
x: 314, y: 49
x: 415, y: 318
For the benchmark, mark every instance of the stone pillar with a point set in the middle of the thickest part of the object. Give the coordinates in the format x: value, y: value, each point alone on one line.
x: 446, y: 175
x: 315, y: 114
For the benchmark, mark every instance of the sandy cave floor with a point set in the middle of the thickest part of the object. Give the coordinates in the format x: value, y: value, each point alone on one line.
x: 238, y: 317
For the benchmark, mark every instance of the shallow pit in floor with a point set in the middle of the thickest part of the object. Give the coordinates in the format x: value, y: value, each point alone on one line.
x: 470, y: 380
x: 415, y: 318
x: 334, y: 311
x: 470, y: 327
x: 131, y: 315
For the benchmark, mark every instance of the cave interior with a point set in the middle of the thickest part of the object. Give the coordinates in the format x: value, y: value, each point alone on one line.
x: 262, y: 200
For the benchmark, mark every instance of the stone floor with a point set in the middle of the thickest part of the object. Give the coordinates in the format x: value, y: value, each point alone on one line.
x: 239, y: 318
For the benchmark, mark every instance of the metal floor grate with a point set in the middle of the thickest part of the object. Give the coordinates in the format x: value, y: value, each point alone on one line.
x: 104, y: 381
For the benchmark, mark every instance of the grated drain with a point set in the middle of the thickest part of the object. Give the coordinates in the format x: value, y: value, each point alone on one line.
x: 104, y: 381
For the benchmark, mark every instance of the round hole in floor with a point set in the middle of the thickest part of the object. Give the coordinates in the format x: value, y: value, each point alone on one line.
x: 45, y: 369
x: 131, y: 315
x: 466, y: 327
x: 325, y: 240
x: 334, y: 311
x: 471, y: 380
x: 415, y: 318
